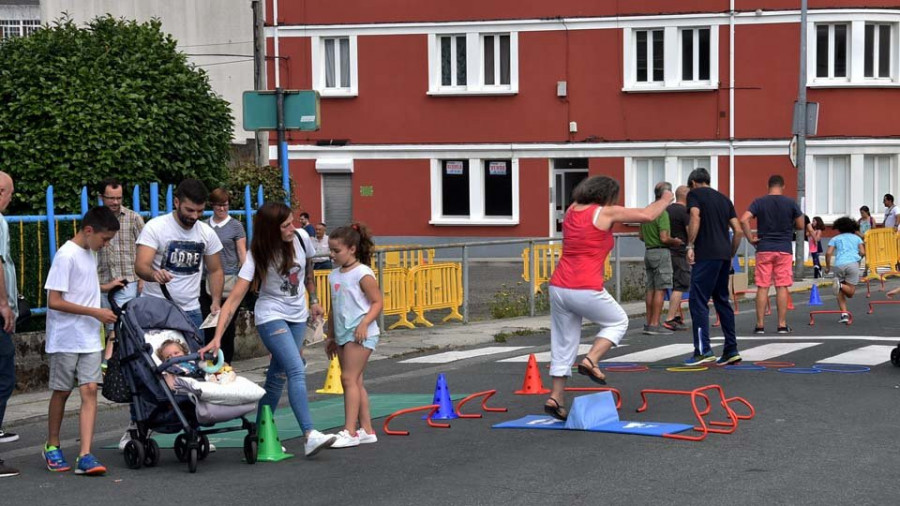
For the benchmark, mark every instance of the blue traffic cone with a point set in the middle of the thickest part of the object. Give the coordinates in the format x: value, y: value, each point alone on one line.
x: 442, y: 399
x: 814, y: 299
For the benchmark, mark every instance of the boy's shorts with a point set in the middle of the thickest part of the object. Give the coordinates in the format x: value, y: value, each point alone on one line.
x: 68, y: 370
x: 847, y: 273
x: 774, y: 267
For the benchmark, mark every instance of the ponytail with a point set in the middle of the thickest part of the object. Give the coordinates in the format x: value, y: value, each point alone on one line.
x: 356, y: 234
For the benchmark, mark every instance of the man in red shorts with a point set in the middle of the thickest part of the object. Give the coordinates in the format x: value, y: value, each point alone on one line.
x: 776, y: 218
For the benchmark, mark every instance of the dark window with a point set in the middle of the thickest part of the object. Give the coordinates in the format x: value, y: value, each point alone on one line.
x: 504, y: 59
x: 498, y: 188
x: 658, y: 56
x: 884, y: 51
x: 822, y: 51
x: 703, y: 57
x: 687, y: 55
x: 489, y: 60
x: 840, y: 50
x: 461, y: 61
x: 869, y: 59
x: 446, y: 78
x: 641, y: 41
x: 455, y: 187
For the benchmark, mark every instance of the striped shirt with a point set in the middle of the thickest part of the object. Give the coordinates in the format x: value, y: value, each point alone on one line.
x: 116, y: 260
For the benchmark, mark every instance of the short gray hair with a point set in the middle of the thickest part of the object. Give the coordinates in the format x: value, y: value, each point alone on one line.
x: 661, y: 188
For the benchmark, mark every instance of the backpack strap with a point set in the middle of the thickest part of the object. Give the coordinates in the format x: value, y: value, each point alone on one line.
x: 300, y: 238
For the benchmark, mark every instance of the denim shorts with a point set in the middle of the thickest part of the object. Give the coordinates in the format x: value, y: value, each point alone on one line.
x: 370, y: 341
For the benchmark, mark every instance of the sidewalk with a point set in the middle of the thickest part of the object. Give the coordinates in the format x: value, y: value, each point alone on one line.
x: 32, y: 406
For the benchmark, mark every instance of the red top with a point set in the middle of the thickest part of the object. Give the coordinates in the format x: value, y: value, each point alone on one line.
x: 584, y: 252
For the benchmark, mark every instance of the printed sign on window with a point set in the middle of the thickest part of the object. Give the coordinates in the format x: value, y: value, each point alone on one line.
x: 454, y: 168
x: 497, y: 168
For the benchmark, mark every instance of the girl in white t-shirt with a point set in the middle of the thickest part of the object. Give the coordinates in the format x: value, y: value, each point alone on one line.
x: 352, y: 332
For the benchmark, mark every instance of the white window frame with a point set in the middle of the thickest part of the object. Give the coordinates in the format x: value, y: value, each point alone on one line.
x: 318, y: 67
x: 880, y: 187
x: 476, y: 196
x: 857, y: 172
x: 672, y: 61
x: 696, y: 54
x: 827, y: 214
x: 875, y: 51
x: 832, y: 53
x: 474, y: 65
x: 855, y: 52
x: 671, y: 172
x: 22, y: 27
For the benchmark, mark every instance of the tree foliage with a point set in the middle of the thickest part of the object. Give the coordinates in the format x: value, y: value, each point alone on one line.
x: 112, y: 99
x: 267, y: 176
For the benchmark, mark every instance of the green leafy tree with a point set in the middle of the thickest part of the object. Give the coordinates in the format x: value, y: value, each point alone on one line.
x: 112, y: 99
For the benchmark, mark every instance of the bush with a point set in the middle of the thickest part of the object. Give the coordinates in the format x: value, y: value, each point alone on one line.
x: 508, y: 303
x: 268, y: 176
x: 112, y: 99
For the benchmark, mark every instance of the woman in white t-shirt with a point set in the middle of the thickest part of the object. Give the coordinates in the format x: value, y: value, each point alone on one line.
x: 352, y: 332
x: 279, y: 269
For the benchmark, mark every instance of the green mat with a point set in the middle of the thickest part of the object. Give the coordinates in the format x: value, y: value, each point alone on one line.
x: 326, y: 414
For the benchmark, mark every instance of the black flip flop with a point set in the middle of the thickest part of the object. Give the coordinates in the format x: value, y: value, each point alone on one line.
x: 589, y: 372
x: 556, y: 411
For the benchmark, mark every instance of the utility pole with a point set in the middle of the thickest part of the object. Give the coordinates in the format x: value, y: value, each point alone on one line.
x: 801, y: 143
x: 259, y: 75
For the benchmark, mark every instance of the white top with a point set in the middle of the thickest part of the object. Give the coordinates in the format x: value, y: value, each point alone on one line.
x: 281, y: 297
x: 322, y: 250
x: 74, y: 273
x: 180, y: 252
x: 349, y: 304
x: 214, y: 224
x: 890, y: 217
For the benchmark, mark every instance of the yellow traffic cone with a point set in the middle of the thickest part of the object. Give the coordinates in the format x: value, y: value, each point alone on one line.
x: 333, y: 379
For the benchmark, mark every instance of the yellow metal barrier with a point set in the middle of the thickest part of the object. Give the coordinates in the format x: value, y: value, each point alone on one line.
x: 436, y: 286
x: 406, y: 258
x: 545, y: 258
x: 397, y: 296
x: 881, y: 252
x: 323, y: 290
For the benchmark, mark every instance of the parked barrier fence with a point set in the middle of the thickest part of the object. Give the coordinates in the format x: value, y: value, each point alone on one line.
x: 545, y: 258
x: 436, y: 286
x: 882, y: 252
x: 407, y: 258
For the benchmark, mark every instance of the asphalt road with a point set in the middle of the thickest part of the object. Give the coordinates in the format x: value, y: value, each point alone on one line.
x: 826, y: 438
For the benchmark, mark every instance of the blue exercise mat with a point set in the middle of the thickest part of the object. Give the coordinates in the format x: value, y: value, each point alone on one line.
x: 594, y: 413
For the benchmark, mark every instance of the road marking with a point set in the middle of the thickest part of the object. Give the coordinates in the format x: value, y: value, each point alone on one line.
x: 544, y: 356
x: 767, y: 351
x: 788, y: 337
x: 655, y: 354
x: 453, y: 356
x: 867, y: 355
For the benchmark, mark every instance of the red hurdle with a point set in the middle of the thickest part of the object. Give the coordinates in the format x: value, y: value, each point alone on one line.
x: 487, y: 394
x: 812, y: 320
x: 431, y: 408
x: 879, y: 303
x: 705, y: 427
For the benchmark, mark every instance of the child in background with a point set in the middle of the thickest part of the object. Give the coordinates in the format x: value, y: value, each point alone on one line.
x: 352, y: 331
x: 866, y: 221
x: 814, y: 233
x: 848, y: 249
x: 73, y: 335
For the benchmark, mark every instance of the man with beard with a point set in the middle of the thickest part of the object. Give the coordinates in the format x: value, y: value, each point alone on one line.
x: 173, y: 248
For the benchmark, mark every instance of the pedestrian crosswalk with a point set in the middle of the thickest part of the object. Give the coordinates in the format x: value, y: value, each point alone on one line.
x: 868, y: 355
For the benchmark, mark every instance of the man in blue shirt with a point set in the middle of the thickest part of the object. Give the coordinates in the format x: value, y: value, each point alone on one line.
x: 776, y: 218
x: 848, y: 249
x: 710, y: 251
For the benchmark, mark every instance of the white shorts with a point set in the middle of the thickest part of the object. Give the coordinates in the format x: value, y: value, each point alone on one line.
x: 568, y: 309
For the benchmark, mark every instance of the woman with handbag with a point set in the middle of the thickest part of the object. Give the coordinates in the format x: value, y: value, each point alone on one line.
x: 233, y: 255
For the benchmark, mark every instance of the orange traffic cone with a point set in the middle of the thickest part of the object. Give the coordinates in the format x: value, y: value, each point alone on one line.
x: 790, y: 305
x: 533, y: 385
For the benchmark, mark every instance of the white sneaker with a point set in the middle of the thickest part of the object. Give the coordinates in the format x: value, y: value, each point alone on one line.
x: 365, y: 437
x: 8, y: 437
x: 345, y: 440
x: 212, y: 448
x: 126, y: 437
x: 845, y: 318
x: 315, y: 441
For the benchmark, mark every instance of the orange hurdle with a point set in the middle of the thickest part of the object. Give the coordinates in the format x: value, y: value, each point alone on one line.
x: 705, y: 427
x: 487, y: 394
x: 880, y: 302
x: 812, y: 321
x: 431, y: 408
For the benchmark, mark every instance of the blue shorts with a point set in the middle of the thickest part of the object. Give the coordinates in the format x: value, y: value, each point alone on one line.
x: 370, y: 342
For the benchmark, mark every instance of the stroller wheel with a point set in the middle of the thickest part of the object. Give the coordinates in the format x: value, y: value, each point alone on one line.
x: 181, y: 448
x: 204, y: 447
x: 152, y: 453
x: 192, y: 460
x: 251, y: 449
x: 134, y: 454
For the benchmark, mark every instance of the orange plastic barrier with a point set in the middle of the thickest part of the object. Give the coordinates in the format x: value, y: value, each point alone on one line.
x: 435, y: 286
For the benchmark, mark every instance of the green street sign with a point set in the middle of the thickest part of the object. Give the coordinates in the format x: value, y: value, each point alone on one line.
x: 301, y: 110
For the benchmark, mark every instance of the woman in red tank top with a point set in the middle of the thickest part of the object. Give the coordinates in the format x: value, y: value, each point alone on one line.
x: 576, y: 288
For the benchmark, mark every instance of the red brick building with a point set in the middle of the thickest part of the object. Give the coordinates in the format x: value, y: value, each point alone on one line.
x: 473, y: 118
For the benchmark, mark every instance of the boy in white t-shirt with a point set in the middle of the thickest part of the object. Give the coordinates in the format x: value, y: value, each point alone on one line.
x: 73, y: 335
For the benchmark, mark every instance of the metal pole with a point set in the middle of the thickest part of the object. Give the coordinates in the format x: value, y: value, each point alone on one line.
x: 282, y: 145
x: 531, y: 278
x: 465, y: 276
x: 51, y: 223
x: 618, y: 273
x: 801, y: 141
x: 380, y: 265
x: 259, y: 75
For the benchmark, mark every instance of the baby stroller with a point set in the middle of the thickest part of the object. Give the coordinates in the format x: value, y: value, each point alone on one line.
x: 156, y: 406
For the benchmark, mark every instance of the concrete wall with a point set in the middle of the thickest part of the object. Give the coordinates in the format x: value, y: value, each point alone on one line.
x: 20, y: 10
x: 201, y: 27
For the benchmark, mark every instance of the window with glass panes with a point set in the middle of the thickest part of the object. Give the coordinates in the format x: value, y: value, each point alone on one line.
x: 878, y: 179
x: 647, y: 172
x: 649, y: 51
x: 455, y: 188
x: 337, y: 62
x: 453, y: 60
x: 498, y: 188
x: 832, y: 49
x: 877, y: 51
x: 694, y: 54
x: 496, y: 59
x: 832, y: 184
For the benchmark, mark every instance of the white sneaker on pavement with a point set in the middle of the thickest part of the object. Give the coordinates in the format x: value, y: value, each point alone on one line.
x: 126, y: 437
x: 8, y: 437
x: 345, y: 440
x: 316, y: 441
x: 365, y: 437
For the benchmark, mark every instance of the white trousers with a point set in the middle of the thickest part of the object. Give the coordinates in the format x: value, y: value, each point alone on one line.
x: 568, y: 308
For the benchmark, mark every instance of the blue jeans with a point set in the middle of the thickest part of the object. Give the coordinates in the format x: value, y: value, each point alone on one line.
x: 196, y: 316
x: 709, y: 278
x: 121, y: 297
x: 284, y: 340
x: 7, y: 371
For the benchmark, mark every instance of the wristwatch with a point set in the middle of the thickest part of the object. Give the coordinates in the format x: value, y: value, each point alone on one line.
x: 313, y: 301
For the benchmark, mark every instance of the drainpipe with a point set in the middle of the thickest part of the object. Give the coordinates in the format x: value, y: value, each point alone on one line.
x: 731, y: 103
x: 277, y: 48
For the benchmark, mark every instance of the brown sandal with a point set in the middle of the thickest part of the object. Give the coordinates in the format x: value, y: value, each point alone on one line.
x: 589, y: 372
x: 556, y: 411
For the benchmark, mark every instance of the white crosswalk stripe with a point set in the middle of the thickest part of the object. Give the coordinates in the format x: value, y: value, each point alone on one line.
x: 769, y: 351
x: 453, y: 356
x: 544, y: 356
x: 656, y: 354
x: 867, y: 355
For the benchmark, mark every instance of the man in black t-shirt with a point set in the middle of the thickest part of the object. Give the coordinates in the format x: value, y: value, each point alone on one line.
x: 776, y: 218
x: 681, y: 269
x: 710, y: 250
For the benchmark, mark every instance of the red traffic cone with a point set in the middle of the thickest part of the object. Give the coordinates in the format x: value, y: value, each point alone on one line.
x: 790, y: 305
x: 532, y: 384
